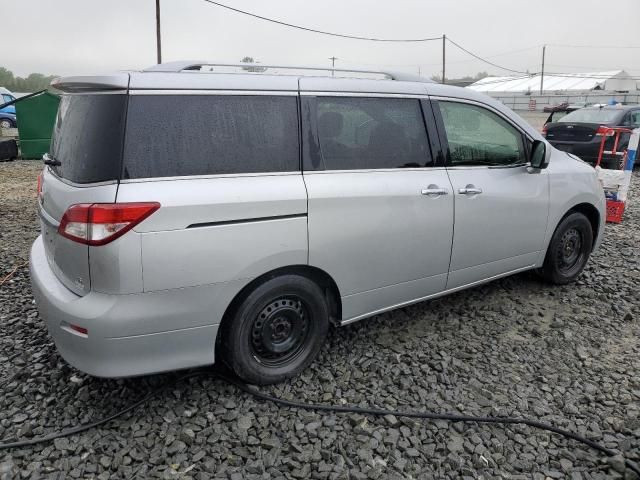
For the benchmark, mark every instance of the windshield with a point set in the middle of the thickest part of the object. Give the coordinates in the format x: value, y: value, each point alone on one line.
x: 87, y: 137
x: 590, y: 115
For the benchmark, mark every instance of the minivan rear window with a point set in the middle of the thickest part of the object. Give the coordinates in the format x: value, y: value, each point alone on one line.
x: 87, y: 137
x: 182, y: 135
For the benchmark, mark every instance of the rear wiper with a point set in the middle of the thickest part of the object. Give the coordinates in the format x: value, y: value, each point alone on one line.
x: 49, y: 160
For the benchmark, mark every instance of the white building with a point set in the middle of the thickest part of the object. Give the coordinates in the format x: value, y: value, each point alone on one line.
x: 567, y: 83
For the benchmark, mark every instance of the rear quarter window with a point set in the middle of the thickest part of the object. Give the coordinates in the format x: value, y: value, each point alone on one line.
x: 87, y: 137
x: 183, y: 135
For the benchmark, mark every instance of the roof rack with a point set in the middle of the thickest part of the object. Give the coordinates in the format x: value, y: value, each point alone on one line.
x: 192, y: 65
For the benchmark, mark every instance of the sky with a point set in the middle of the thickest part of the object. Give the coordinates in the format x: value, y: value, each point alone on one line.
x: 71, y: 37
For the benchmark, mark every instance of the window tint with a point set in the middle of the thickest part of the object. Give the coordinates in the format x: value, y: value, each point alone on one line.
x: 87, y: 137
x: 360, y: 133
x: 179, y: 135
x: 477, y: 136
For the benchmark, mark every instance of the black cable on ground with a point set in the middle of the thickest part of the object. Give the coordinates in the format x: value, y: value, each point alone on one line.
x: 320, y: 408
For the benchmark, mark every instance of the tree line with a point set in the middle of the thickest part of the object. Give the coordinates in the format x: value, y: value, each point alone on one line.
x: 32, y: 83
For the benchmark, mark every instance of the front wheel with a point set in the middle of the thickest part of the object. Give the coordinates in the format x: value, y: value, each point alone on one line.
x: 569, y: 250
x: 276, y: 331
x: 6, y: 123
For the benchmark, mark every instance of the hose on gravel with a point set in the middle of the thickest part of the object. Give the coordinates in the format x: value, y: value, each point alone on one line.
x: 15, y: 443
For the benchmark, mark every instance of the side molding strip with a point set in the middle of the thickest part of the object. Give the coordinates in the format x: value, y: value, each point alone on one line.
x: 247, y: 220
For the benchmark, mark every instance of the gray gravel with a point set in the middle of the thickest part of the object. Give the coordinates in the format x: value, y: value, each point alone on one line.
x: 566, y: 355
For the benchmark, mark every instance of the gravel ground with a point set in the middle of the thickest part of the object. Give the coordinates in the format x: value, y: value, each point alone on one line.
x: 565, y: 355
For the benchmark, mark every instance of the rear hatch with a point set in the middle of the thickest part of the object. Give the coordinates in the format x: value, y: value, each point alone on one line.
x: 582, y: 125
x: 84, y: 168
x: 571, y: 132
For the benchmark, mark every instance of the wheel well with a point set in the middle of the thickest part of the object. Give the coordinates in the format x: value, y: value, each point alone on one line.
x: 320, y: 277
x: 591, y: 213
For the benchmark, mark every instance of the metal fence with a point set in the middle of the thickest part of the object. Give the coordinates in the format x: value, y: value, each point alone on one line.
x: 523, y: 102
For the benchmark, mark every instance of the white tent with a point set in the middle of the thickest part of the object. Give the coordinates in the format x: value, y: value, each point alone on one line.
x: 614, y: 81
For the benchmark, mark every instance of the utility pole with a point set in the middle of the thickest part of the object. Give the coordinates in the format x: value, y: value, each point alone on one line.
x: 444, y: 55
x: 158, y: 41
x: 544, y: 48
x: 333, y: 64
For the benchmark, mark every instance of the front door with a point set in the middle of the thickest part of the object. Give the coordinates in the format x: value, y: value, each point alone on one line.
x: 380, y: 211
x: 501, y: 204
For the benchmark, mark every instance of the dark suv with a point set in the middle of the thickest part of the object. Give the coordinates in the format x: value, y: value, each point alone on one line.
x: 581, y: 132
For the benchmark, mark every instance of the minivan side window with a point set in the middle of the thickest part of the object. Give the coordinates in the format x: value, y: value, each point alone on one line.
x: 477, y: 136
x: 372, y: 133
x: 183, y: 135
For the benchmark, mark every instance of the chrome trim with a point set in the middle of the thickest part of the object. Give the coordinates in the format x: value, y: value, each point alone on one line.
x: 63, y: 93
x: 424, y: 96
x: 435, y: 295
x: 487, y: 167
x: 190, y: 91
x: 208, y: 177
x: 468, y: 190
x: 375, y: 170
x: 434, y: 191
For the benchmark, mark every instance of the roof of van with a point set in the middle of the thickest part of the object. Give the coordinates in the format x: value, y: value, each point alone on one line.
x: 183, y: 76
x: 173, y: 76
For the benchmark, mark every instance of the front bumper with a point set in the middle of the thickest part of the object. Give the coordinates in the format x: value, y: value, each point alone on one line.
x: 114, y: 346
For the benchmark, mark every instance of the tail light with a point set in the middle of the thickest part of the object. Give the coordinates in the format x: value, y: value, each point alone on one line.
x: 544, y: 131
x: 100, y: 223
x: 604, y: 131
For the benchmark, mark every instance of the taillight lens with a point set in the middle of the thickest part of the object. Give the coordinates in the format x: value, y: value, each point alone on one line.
x: 100, y: 223
x: 544, y: 131
x: 604, y: 131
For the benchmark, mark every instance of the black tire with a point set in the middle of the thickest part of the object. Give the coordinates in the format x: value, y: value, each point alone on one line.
x: 569, y: 250
x: 276, y: 331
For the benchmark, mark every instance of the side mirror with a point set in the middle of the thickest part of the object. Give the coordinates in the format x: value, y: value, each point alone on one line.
x: 538, y: 157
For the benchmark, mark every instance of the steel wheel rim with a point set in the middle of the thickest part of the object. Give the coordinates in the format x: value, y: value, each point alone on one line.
x: 5, y: 124
x: 570, y: 251
x: 279, y: 331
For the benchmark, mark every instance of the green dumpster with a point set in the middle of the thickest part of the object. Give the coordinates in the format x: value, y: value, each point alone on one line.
x: 36, y: 117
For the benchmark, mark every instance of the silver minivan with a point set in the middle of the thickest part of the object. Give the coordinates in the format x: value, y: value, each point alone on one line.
x: 190, y: 216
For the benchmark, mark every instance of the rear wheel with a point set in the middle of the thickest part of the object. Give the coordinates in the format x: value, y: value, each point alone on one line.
x: 569, y: 249
x: 276, y: 331
x: 6, y: 123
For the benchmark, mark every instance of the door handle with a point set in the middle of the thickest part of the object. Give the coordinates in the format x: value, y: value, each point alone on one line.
x: 470, y: 190
x: 434, y: 190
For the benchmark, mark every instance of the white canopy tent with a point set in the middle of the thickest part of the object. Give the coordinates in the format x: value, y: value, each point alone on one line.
x: 613, y: 81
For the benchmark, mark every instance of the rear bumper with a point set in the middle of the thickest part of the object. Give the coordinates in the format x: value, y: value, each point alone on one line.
x: 128, y: 335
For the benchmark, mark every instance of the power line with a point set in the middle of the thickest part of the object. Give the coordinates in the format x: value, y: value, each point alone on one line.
x: 591, y: 46
x: 322, y: 32
x: 449, y: 62
x: 484, y: 59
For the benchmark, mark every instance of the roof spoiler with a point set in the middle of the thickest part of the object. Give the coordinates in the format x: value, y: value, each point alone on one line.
x: 78, y: 84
